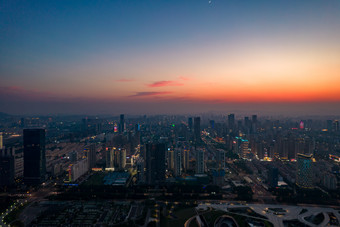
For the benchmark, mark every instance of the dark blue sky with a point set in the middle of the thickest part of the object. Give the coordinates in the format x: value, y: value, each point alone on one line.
x: 61, y: 51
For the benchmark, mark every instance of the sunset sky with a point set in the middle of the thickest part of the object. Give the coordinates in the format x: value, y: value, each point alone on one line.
x: 143, y: 56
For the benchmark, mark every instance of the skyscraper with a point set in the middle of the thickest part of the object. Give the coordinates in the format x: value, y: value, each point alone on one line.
x: 185, y: 159
x: 178, y: 162
x: 212, y: 124
x: 1, y: 143
x: 273, y: 177
x: 110, y: 157
x: 304, y: 176
x: 190, y: 123
x: 231, y: 122
x: 254, y: 118
x: 122, y: 158
x: 91, y: 155
x: 140, y: 170
x: 200, y: 161
x: 253, y: 123
x: 6, y: 167
x: 336, y: 126
x: 220, y: 159
x: 34, y: 156
x: 155, y: 163
x: 171, y: 163
x: 244, y: 149
x: 121, y: 124
x: 197, y: 129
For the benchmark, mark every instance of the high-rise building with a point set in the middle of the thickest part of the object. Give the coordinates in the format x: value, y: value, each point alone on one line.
x: 77, y: 169
x: 73, y: 156
x: 22, y: 122
x: 121, y: 124
x: 273, y: 177
x: 7, y: 168
x: 212, y: 124
x: 34, y: 156
x: 155, y: 163
x: 253, y: 123
x: 329, y: 181
x: 91, y: 155
x: 1, y: 141
x: 244, y: 148
x: 247, y: 123
x: 329, y: 125
x: 178, y: 162
x: 110, y: 157
x: 220, y: 159
x: 336, y: 126
x: 171, y: 162
x: 254, y: 118
x: 190, y: 123
x: 140, y: 170
x: 197, y: 129
x: 304, y: 176
x: 231, y: 122
x: 185, y: 159
x: 122, y: 158
x: 200, y: 164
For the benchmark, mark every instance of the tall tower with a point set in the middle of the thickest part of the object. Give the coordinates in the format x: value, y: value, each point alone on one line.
x: 273, y: 177
x: 122, y: 158
x: 178, y: 162
x: 34, y: 156
x: 304, y: 176
x: 1, y: 141
x: 91, y: 155
x: 185, y: 159
x: 171, y: 163
x: 155, y: 163
x: 197, y: 129
x: 200, y: 161
x: 253, y: 123
x: 110, y: 157
x: 140, y: 170
x: 231, y: 122
x: 121, y: 124
x: 244, y: 152
x: 220, y: 159
x: 190, y: 123
x: 336, y: 126
x: 6, y: 167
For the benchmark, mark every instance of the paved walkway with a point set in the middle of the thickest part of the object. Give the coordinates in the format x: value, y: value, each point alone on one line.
x: 277, y: 218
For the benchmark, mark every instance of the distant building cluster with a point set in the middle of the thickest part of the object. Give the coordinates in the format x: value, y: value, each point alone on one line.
x: 163, y: 150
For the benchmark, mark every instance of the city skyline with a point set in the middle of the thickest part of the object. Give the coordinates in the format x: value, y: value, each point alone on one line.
x: 147, y: 57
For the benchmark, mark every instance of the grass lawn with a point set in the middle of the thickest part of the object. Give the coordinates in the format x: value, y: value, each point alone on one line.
x: 95, y: 179
x: 15, y: 213
x: 211, y: 216
x: 182, y: 216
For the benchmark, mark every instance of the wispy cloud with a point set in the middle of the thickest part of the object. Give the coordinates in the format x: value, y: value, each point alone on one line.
x: 184, y: 78
x: 16, y: 92
x: 165, y: 83
x: 125, y: 80
x: 150, y: 93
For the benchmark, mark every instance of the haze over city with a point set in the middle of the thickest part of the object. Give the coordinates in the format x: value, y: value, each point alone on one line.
x: 149, y: 57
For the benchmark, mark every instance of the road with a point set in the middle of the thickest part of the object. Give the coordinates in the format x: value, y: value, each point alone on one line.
x: 9, y: 210
x: 30, y: 212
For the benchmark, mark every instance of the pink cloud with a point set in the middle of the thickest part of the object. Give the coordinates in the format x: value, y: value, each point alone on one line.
x: 150, y: 93
x: 184, y: 78
x: 165, y: 83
